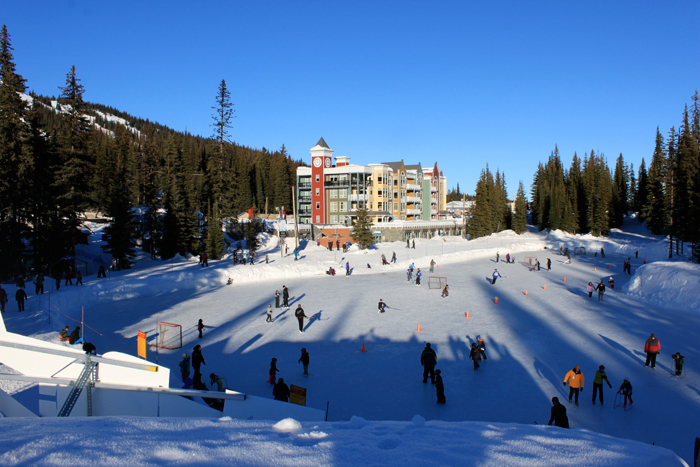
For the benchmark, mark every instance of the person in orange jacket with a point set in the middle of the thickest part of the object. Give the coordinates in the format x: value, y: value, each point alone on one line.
x: 652, y: 348
x: 575, y: 379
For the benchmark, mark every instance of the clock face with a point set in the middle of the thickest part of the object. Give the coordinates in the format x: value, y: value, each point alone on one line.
x: 317, y: 162
x: 328, y: 162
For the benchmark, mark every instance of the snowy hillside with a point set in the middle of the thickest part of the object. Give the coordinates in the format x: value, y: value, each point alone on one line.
x: 541, y: 326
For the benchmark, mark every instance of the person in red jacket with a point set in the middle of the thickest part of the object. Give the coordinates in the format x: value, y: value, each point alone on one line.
x: 652, y: 348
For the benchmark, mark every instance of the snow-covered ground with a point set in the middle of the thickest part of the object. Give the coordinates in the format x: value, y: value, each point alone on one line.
x: 531, y: 340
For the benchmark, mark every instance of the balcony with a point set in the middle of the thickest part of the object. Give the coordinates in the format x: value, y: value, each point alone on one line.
x: 305, y: 186
x: 305, y: 199
x: 412, y: 187
x: 413, y: 212
x: 414, y: 199
x: 358, y: 197
x: 336, y: 183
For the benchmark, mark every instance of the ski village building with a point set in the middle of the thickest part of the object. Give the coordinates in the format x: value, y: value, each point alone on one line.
x: 329, y: 195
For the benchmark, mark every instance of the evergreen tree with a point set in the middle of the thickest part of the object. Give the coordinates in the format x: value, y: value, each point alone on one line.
x: 362, y: 229
x: 219, y: 164
x: 620, y: 192
x: 168, y: 238
x: 481, y: 214
x: 215, y: 237
x: 640, y: 198
x: 685, y: 174
x: 655, y: 210
x: 520, y: 218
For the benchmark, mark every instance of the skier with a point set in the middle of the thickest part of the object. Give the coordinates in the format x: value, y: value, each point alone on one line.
x: 445, y: 291
x: 381, y: 306
x: 678, y: 360
x: 200, y: 328
x: 590, y: 290
x: 601, y: 290
x: 299, y: 313
x: 428, y: 358
x: 611, y: 282
x: 576, y: 380
x: 497, y: 257
x: 281, y: 391
x: 439, y: 387
x: 197, y: 360
x: 304, y: 360
x: 63, y: 335
x: 347, y: 268
x: 418, y: 274
x: 432, y: 265
x: 285, y: 296
x: 549, y: 264
x: 273, y: 372
x: 626, y: 390
x: 269, y: 314
x: 74, y: 337
x: 20, y: 296
x: 652, y: 348
x: 495, y: 275
x: 482, y: 347
x: 475, y: 355
x: 3, y: 299
x: 277, y: 298
x: 185, y: 367
x: 598, y: 383
x: 558, y: 414
x: 393, y: 256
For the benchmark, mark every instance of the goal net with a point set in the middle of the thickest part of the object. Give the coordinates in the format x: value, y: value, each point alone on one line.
x: 169, y: 336
x: 580, y: 250
x: 435, y: 282
x: 529, y: 261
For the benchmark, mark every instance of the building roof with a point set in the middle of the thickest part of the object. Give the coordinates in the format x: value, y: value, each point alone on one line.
x: 322, y: 143
x: 395, y: 166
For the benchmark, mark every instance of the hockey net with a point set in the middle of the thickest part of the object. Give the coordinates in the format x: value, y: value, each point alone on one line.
x: 529, y: 261
x: 580, y: 250
x: 435, y: 282
x: 169, y: 336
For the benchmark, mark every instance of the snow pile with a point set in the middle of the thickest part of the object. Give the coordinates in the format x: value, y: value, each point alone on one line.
x: 159, y: 442
x: 668, y: 285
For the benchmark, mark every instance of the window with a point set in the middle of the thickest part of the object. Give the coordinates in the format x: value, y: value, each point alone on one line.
x: 379, y: 193
x: 318, y: 219
x: 343, y: 193
x: 318, y: 206
x: 334, y: 206
x: 318, y: 192
x: 318, y: 178
x: 334, y: 193
x: 342, y: 206
x: 396, y: 195
x: 370, y: 191
x: 371, y: 206
x: 334, y: 219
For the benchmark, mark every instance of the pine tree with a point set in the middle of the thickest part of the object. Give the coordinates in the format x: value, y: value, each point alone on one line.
x: 620, y: 192
x: 219, y: 163
x: 520, y: 218
x: 686, y: 173
x: 215, y: 237
x: 655, y: 210
x: 481, y: 214
x: 641, y: 196
x: 362, y: 229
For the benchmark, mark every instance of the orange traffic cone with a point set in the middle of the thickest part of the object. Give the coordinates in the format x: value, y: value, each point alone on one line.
x: 496, y: 300
x: 418, y: 330
x: 363, y: 347
x: 608, y: 266
x: 595, y: 269
x: 467, y: 315
x: 544, y: 287
x: 565, y: 279
x: 525, y: 292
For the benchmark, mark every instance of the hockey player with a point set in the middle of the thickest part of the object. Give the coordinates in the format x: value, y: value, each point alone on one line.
x: 381, y: 306
x: 446, y: 291
x: 418, y: 274
x: 598, y: 383
x: 432, y: 265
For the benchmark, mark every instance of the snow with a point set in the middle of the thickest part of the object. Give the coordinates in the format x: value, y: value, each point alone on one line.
x: 531, y: 342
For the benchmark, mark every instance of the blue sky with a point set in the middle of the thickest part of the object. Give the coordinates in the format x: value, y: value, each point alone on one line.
x: 460, y: 83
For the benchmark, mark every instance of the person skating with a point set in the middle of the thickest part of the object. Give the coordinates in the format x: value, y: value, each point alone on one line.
x: 69, y: 277
x: 626, y: 391
x: 267, y: 259
x: 507, y: 258
x: 197, y: 361
x: 273, y: 372
x: 611, y: 282
x: 678, y: 360
x: 381, y: 306
x: 409, y: 272
x: 20, y: 296
x: 74, y: 337
x: 590, y: 290
x: 549, y: 264
x: 652, y: 348
x: 299, y: 313
x: 575, y: 379
x: 475, y: 355
x: 393, y: 256
x: 537, y: 264
x: 439, y: 387
x: 101, y: 272
x: 285, y: 296
x: 277, y: 298
x: 281, y: 391
x: 481, y: 346
x: 269, y: 314
x: 200, y: 328
x: 63, y: 336
x: 558, y: 414
x: 446, y: 291
x: 432, y: 265
x: 601, y: 290
x: 304, y: 360
x: 602, y: 252
x: 296, y: 253
x: 413, y: 244
x: 428, y: 358
x: 347, y: 268
x: 495, y: 275
x: 418, y: 274
x: 497, y: 257
x: 3, y: 299
x: 598, y: 383
x: 185, y: 367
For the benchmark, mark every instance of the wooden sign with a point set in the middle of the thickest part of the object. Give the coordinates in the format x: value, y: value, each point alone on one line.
x: 142, y: 345
x: 297, y: 395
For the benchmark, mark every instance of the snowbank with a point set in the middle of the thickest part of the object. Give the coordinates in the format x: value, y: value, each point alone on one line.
x: 159, y: 442
x: 668, y: 285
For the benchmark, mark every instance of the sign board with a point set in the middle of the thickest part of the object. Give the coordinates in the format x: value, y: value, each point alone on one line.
x: 142, y: 345
x: 376, y: 232
x: 297, y: 395
x: 282, y: 225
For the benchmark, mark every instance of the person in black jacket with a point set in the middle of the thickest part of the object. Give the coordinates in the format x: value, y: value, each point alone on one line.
x: 304, y: 359
x: 439, y: 387
x: 428, y: 358
x: 299, y: 313
x: 558, y: 414
x: 281, y: 391
x: 20, y: 296
x: 285, y: 296
x: 601, y: 290
x: 197, y: 360
x: 475, y: 355
x: 277, y: 298
x: 90, y: 348
x: 75, y: 336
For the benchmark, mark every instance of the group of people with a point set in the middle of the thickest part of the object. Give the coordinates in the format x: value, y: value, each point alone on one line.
x: 345, y: 246
x: 244, y: 257
x: 280, y: 391
x: 600, y: 287
x: 393, y: 259
x: 285, y: 296
x: 509, y: 259
x: 627, y: 266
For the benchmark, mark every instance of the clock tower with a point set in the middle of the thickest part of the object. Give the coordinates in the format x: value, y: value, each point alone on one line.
x: 321, y: 159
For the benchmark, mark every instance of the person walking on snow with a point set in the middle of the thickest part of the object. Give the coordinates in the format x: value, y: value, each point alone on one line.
x: 285, y: 296
x: 273, y: 372
x: 497, y: 257
x: 575, y: 380
x: 495, y: 275
x: 558, y: 414
x: 39, y: 283
x: 269, y: 314
x: 185, y: 367
x: 200, y: 328
x: 439, y: 387
x: 204, y: 259
x: 549, y: 264
x: 481, y: 346
x: 418, y: 274
x: 601, y: 290
x: 428, y: 358
x: 652, y: 348
x: 20, y: 296
x: 598, y: 383
x: 299, y: 313
x: 475, y: 355
x: 277, y: 298
x: 304, y: 360
x: 197, y: 361
x: 381, y: 306
x: 590, y: 290
x: 393, y: 256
